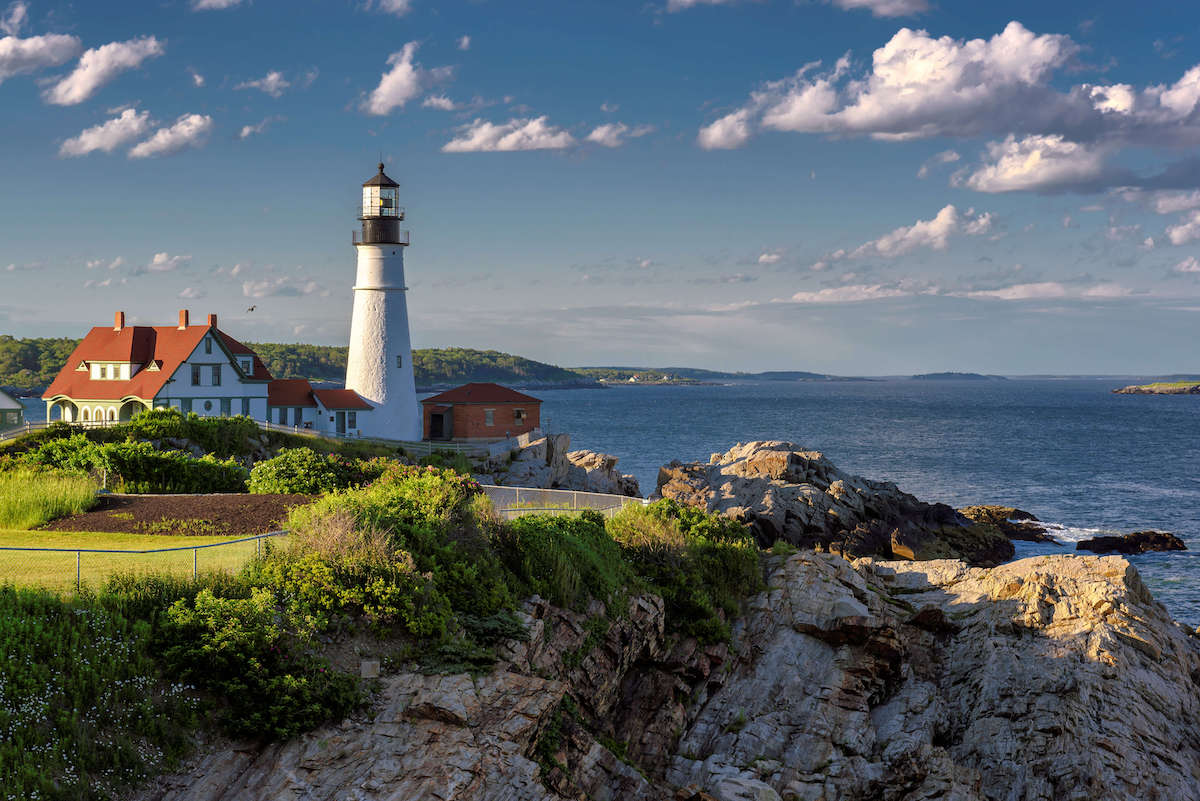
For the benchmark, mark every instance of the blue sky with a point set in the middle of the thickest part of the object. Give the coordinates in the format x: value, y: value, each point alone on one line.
x: 849, y: 186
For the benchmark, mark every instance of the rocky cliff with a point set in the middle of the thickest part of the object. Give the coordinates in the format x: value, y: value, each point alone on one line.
x: 1047, y: 679
x: 786, y: 493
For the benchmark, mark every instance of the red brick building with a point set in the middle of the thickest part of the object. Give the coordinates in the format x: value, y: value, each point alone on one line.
x: 480, y: 411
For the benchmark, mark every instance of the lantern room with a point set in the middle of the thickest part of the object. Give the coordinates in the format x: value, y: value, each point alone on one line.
x: 381, y: 213
x: 381, y: 197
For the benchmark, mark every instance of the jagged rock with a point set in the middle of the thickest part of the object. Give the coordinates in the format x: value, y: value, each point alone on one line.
x: 1047, y: 679
x: 798, y: 496
x: 1060, y: 679
x: 596, y: 472
x: 548, y: 464
x: 1137, y: 542
x: 1012, y: 522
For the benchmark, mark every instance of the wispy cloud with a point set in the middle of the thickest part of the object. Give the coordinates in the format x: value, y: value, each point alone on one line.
x: 464, y: 43
x: 101, y: 65
x: 107, y: 136
x: 403, y: 82
x: 517, y: 134
x: 884, y: 8
x: 258, y: 128
x: 273, y: 84
x: 614, y: 134
x: 213, y: 5
x: 189, y: 131
x: 22, y: 56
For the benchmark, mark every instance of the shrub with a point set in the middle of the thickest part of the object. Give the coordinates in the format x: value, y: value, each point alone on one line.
x: 239, y: 648
x: 139, y: 467
x: 701, y: 564
x: 29, y: 498
x: 304, y: 471
x: 566, y: 559
x: 431, y: 515
x: 83, y: 712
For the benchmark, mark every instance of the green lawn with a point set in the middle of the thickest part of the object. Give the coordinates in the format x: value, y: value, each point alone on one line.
x: 56, y: 570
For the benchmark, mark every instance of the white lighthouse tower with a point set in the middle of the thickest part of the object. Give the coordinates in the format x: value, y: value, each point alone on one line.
x: 379, y: 367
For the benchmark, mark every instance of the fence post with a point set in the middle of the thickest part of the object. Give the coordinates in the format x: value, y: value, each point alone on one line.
x: 575, y: 499
x: 77, y: 571
x: 195, y: 560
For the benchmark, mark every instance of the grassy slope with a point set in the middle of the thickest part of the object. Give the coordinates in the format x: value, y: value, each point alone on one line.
x: 56, y: 570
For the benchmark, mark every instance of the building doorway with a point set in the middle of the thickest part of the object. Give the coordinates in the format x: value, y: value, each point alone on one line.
x: 437, y: 426
x: 340, y: 423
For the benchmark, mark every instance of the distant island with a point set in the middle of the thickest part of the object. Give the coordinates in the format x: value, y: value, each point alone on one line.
x: 695, y: 375
x: 1189, y: 386
x: 30, y: 364
x: 957, y: 377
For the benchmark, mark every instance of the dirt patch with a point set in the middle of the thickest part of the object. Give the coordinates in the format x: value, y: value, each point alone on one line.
x: 199, y: 515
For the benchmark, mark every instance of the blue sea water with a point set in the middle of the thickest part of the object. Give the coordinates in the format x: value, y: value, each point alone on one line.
x: 1070, y: 452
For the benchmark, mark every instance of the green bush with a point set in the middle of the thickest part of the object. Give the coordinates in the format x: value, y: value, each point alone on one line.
x: 304, y: 471
x: 701, y: 564
x: 432, y: 515
x: 566, y: 559
x: 29, y: 498
x: 241, y: 649
x: 138, y: 467
x: 84, y: 713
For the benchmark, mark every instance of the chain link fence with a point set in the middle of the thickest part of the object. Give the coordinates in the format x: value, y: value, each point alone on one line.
x: 70, y: 569
x: 513, y: 502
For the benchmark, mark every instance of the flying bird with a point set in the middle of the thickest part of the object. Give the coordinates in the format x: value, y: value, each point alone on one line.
x: 252, y: 308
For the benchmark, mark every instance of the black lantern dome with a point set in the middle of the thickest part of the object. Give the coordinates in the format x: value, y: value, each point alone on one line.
x: 381, y: 212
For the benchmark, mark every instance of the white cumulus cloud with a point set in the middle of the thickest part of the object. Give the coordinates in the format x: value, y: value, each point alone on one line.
x: 109, y: 135
x: 20, y: 56
x: 273, y: 84
x: 1186, y: 231
x: 402, y: 83
x: 770, y: 257
x: 100, y: 65
x: 516, y: 134
x: 1188, y: 265
x: 1037, y: 163
x: 190, y: 130
x: 164, y: 263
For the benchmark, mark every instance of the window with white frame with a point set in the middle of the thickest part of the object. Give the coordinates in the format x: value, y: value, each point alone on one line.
x: 489, y: 417
x: 195, y: 375
x: 216, y: 375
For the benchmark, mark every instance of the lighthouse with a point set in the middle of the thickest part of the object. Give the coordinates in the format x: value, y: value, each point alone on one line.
x: 379, y: 367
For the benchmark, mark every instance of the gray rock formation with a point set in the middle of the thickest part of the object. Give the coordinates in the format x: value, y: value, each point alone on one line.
x: 1048, y: 679
x: 548, y: 464
x: 597, y: 472
x: 786, y: 493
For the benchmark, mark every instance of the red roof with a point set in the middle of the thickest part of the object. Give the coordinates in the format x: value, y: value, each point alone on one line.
x: 484, y: 392
x: 341, y: 399
x: 140, y: 345
x: 290, y: 392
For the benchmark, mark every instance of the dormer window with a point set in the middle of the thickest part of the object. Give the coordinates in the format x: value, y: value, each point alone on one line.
x: 247, y: 366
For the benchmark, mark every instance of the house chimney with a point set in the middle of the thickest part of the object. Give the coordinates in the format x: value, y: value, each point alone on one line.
x: 119, y: 322
x: 212, y: 321
x: 183, y: 319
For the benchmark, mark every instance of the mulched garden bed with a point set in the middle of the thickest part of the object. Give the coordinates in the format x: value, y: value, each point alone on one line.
x: 200, y: 515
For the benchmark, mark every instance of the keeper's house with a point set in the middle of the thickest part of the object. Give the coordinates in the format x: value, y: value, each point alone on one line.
x: 480, y: 411
x: 12, y: 413
x: 118, y: 371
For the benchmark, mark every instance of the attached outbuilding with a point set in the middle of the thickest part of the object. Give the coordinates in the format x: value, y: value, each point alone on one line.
x: 480, y: 412
x: 12, y: 413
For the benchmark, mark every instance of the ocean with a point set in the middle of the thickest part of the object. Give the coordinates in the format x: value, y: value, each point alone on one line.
x: 1068, y: 451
